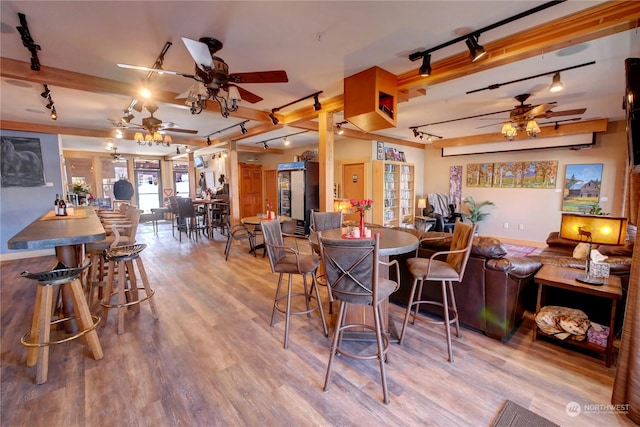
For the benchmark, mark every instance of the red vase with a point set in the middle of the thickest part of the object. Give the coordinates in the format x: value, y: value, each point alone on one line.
x: 362, y: 234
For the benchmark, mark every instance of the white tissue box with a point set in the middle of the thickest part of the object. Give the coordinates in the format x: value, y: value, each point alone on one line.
x: 599, y: 269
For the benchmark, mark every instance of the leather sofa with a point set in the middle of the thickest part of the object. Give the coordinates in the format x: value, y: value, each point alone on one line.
x: 495, y: 291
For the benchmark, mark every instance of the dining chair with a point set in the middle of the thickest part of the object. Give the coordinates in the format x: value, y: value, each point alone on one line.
x: 193, y: 220
x: 239, y: 232
x: 445, y: 271
x: 286, y: 260
x: 352, y: 270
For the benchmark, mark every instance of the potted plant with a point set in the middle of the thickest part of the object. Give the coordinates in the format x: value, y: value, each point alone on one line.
x: 475, y: 209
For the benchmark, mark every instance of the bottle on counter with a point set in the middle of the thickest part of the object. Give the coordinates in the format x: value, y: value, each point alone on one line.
x: 55, y: 205
x: 62, y: 208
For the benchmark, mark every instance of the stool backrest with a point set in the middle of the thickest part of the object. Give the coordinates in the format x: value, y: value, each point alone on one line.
x: 462, y: 240
x: 325, y: 220
x: 274, y: 242
x: 351, y: 268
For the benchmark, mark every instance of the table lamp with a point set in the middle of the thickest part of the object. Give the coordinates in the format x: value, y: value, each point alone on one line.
x: 590, y: 229
x: 341, y: 205
x: 422, y: 204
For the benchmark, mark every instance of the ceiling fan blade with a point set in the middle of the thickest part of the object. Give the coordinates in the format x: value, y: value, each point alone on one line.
x: 551, y: 114
x: 248, y: 96
x: 277, y: 76
x: 537, y: 109
x: 199, y: 52
x: 155, y: 70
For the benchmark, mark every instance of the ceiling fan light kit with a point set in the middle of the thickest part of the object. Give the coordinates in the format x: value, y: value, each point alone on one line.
x: 213, y: 73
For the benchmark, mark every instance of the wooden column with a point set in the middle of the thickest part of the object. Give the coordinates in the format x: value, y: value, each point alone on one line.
x: 326, y: 159
x: 231, y: 167
x: 192, y: 175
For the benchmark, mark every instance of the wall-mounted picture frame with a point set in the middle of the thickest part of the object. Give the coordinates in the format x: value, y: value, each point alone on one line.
x: 380, y: 153
x: 21, y: 162
x: 581, y: 189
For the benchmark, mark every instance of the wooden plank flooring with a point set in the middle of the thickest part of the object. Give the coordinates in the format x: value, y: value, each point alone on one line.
x: 212, y: 359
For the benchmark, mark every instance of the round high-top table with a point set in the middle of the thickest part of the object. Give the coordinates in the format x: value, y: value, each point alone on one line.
x: 392, y: 242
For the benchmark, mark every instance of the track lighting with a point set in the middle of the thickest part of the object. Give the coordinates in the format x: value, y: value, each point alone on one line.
x: 471, y: 39
x: 54, y: 114
x: 28, y: 42
x: 50, y: 104
x: 425, y: 68
x: 46, y: 92
x: 187, y: 149
x: 243, y: 129
x: 556, y: 83
x: 476, y: 51
x: 208, y: 140
x: 177, y: 150
x: 119, y: 134
x: 316, y: 106
x: 285, y: 141
x: 265, y: 145
x: 420, y: 134
x: 339, y: 129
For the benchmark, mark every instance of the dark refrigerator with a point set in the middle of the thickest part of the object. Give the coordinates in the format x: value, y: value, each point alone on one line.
x: 298, y: 192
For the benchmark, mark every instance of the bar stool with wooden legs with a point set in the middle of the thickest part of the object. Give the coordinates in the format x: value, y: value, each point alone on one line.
x: 125, y: 286
x: 38, y: 338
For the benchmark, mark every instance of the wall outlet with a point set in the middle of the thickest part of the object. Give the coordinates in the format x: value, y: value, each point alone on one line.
x: 520, y: 226
x: 505, y: 225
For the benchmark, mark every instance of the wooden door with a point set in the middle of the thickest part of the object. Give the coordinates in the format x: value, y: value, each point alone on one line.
x: 271, y: 189
x: 353, y: 185
x: 250, y: 193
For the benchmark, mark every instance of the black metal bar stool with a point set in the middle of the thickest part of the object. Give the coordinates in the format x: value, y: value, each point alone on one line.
x: 121, y: 258
x: 38, y: 338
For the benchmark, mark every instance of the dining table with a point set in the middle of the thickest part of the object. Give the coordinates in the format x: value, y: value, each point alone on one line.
x: 209, y: 207
x: 392, y: 242
x: 255, y: 220
x: 68, y: 235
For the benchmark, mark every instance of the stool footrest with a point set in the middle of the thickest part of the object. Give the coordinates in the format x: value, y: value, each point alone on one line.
x: 130, y: 303
x: 299, y: 294
x: 25, y: 340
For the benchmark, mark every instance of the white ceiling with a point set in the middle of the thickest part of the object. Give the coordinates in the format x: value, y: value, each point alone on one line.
x: 318, y: 43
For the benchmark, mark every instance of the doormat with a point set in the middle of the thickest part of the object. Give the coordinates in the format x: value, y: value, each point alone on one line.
x: 521, y: 250
x: 514, y: 415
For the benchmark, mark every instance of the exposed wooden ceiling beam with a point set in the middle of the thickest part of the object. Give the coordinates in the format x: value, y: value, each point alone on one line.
x: 590, y: 126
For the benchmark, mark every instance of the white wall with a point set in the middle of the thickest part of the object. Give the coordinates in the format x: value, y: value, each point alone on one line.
x: 538, y: 210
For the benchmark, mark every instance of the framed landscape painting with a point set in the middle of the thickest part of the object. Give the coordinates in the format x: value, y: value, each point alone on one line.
x: 581, y: 189
x: 479, y: 174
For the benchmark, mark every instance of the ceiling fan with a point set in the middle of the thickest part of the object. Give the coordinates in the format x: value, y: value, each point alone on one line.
x: 117, y: 157
x: 521, y: 114
x: 213, y: 74
x: 152, y: 124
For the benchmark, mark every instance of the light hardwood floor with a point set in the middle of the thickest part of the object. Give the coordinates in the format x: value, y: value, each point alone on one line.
x: 212, y: 359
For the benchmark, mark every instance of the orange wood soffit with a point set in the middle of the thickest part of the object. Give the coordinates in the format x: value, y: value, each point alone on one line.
x: 599, y: 125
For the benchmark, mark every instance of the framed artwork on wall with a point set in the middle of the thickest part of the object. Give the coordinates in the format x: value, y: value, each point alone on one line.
x: 581, y: 189
x: 21, y: 162
x: 479, y: 174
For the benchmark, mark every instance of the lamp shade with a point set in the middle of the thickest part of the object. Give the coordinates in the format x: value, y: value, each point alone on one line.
x: 603, y: 230
x: 422, y: 203
x: 341, y: 205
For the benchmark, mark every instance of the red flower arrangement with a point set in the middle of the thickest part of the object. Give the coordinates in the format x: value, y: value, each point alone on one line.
x: 362, y: 205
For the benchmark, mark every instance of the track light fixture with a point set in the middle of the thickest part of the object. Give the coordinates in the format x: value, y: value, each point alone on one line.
x: 476, y: 51
x: 420, y: 134
x: 177, y: 150
x: 46, y: 92
x: 471, y: 39
x: 50, y: 103
x: 425, y: 68
x: 285, y: 139
x: 243, y: 130
x: 548, y: 73
x: 28, y: 42
x: 556, y: 83
x: 54, y: 114
x: 317, y: 106
x: 339, y: 129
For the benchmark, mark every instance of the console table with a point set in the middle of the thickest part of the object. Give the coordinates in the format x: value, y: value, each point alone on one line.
x: 565, y: 278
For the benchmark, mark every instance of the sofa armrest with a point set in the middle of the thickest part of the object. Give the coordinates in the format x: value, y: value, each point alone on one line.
x: 516, y: 266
